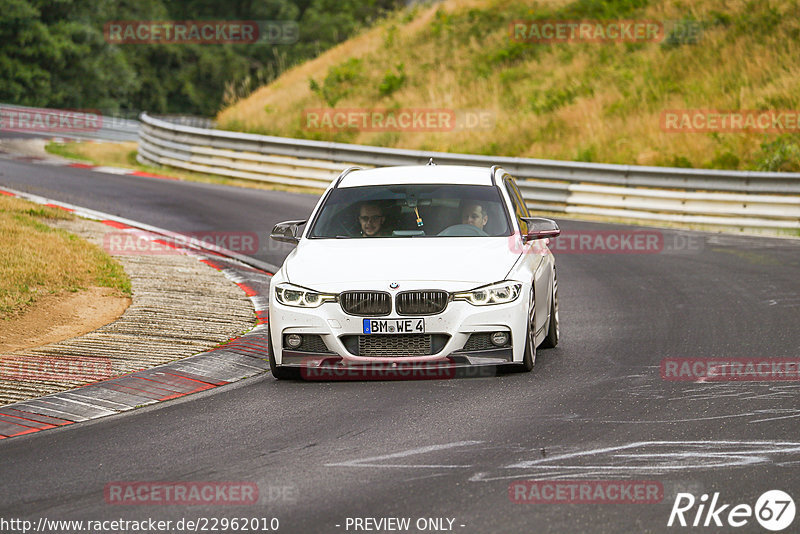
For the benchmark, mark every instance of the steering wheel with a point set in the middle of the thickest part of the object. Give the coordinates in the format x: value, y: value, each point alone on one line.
x: 462, y: 230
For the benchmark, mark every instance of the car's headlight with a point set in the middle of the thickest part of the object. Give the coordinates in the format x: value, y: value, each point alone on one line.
x: 499, y: 293
x: 301, y: 297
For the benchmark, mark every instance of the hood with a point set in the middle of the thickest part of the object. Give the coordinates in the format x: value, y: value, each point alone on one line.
x: 321, y: 263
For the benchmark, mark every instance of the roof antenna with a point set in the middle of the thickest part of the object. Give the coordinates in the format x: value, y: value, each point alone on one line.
x: 430, y: 162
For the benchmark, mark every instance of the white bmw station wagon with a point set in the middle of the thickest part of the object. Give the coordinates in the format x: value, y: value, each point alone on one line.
x: 438, y: 264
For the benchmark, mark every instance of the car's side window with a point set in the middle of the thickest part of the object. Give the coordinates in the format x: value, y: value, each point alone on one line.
x: 520, y: 210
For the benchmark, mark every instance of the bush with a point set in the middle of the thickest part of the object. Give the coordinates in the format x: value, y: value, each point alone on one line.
x: 392, y: 82
x: 339, y: 81
x: 726, y: 160
x: 588, y: 154
x: 780, y: 155
x: 681, y: 162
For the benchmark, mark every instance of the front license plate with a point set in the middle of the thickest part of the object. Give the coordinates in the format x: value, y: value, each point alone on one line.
x: 394, y: 326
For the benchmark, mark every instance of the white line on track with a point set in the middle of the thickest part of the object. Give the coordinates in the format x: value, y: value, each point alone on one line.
x: 366, y: 462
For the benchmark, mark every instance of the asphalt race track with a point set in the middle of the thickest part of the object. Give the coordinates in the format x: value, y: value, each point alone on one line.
x: 596, y: 408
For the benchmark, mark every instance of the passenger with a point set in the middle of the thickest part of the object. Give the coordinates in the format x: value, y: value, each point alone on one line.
x: 474, y: 213
x: 371, y: 218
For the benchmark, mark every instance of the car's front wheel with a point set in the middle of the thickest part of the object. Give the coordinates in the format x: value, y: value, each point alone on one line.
x: 281, y: 373
x: 529, y: 358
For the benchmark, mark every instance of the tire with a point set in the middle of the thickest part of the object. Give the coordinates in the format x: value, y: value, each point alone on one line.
x: 280, y: 373
x: 553, y: 327
x: 530, y: 350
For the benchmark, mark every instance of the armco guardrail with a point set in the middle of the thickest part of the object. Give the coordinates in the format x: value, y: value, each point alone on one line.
x: 732, y: 199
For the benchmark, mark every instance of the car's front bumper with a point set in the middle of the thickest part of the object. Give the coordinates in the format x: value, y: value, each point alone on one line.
x: 456, y: 323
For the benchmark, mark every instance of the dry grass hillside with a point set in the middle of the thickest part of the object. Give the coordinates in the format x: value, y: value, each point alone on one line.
x: 571, y: 101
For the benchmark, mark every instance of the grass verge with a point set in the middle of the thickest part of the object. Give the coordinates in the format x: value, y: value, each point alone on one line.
x: 37, y: 260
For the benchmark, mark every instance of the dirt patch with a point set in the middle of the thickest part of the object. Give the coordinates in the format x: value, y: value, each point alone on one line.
x: 114, y: 154
x: 26, y: 147
x: 57, y: 317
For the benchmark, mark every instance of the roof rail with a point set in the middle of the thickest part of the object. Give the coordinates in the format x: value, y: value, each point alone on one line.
x: 345, y: 172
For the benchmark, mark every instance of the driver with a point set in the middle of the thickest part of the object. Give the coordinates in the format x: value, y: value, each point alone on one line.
x: 371, y: 218
x: 474, y: 213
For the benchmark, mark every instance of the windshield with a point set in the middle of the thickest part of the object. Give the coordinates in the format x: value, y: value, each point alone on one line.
x: 416, y: 210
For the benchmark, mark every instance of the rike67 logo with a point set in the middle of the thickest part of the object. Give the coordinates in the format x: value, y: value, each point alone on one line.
x: 774, y: 510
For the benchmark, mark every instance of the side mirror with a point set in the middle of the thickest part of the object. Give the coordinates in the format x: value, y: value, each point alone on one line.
x: 286, y: 231
x: 540, y: 228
